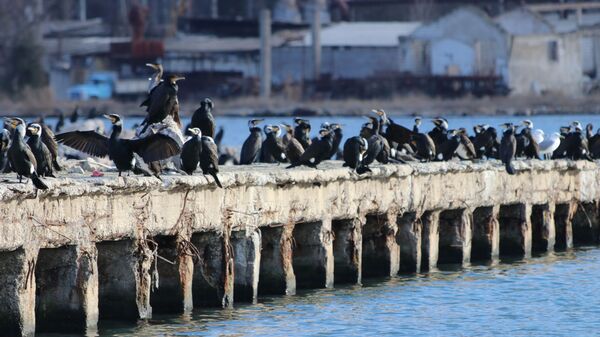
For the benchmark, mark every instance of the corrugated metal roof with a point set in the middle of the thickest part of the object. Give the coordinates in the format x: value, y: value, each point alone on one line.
x: 364, y: 34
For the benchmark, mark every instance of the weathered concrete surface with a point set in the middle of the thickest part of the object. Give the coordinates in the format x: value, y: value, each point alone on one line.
x: 586, y: 223
x: 276, y: 269
x: 172, y: 291
x: 17, y: 277
x: 112, y: 208
x: 515, y: 230
x: 485, y: 244
x: 430, y: 242
x: 246, y: 256
x: 213, y: 280
x: 381, y: 252
x: 455, y: 237
x: 312, y: 254
x: 543, y: 228
x: 563, y: 222
x: 409, y: 237
x: 66, y: 289
x: 347, y: 250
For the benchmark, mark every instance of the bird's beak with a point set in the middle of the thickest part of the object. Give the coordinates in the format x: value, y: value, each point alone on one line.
x: 109, y: 117
x: 152, y: 65
x: 178, y: 78
x: 32, y: 129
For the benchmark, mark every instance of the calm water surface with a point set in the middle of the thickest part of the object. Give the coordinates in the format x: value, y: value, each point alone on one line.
x: 552, y: 295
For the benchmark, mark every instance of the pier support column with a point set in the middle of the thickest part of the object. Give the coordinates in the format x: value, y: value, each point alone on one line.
x: 246, y: 257
x: 431, y: 240
x: 213, y: 281
x: 276, y: 270
x: 515, y: 230
x: 313, y: 254
x: 381, y: 252
x: 347, y: 250
x: 409, y: 236
x: 486, y: 234
x: 542, y: 227
x: 563, y: 221
x: 455, y: 237
x: 175, y: 267
x: 17, y: 290
x: 124, y: 279
x: 66, y: 289
x: 586, y: 224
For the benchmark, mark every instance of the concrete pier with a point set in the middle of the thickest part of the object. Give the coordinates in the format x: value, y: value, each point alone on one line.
x: 119, y: 247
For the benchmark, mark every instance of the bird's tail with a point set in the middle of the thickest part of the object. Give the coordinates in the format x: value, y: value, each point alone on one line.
x: 510, y: 169
x: 214, y: 174
x: 56, y: 165
x: 139, y: 170
x: 37, y: 182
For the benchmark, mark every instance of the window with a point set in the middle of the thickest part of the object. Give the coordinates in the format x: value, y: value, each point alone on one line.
x: 553, y: 51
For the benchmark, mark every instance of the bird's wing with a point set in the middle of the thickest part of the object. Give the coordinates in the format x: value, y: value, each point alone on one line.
x: 213, y: 155
x: 49, y: 141
x: 250, y: 149
x: 30, y: 156
x: 154, y: 147
x: 311, y: 152
x: 89, y: 142
x: 398, y: 133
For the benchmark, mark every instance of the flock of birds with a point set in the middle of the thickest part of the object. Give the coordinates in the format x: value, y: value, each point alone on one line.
x: 160, y: 144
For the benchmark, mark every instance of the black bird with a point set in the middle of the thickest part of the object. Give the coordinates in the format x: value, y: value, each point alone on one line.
x: 162, y: 102
x: 355, y: 149
x: 252, y: 145
x: 209, y: 159
x: 486, y: 142
x: 22, y: 160
x: 424, y: 146
x: 156, y: 77
x: 439, y: 134
x: 317, y: 151
x: 289, y: 134
x: 446, y: 150
x: 273, y: 147
x: 219, y: 137
x: 75, y: 115
x: 577, y: 144
x: 394, y: 133
x: 47, y: 137
x: 40, y: 151
x: 190, y: 151
x: 293, y: 149
x: 337, y: 139
x: 508, y: 147
x: 152, y: 148
x: 466, y: 149
x: 61, y: 121
x: 417, y: 124
x: 561, y: 151
x: 203, y: 118
x: 302, y: 132
x: 4, y: 144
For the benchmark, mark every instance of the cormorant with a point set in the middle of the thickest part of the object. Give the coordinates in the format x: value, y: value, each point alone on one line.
x: 152, y: 148
x: 40, y: 151
x: 75, y: 115
x: 273, y: 147
x: 394, y: 133
x: 355, y: 149
x: 424, y: 146
x: 526, y: 139
x: 4, y: 144
x: 162, y: 102
x: 561, y: 151
x: 289, y: 134
x: 317, y: 151
x: 302, y: 132
x: 203, y: 118
x: 446, y: 150
x: 508, y: 147
x: 209, y: 159
x: 252, y: 145
x: 293, y: 150
x: 577, y: 144
x: 466, y: 149
x: 439, y: 134
x: 486, y: 142
x: 47, y: 137
x: 61, y: 122
x: 22, y: 160
x: 156, y: 77
x: 550, y: 144
x: 219, y: 137
x: 337, y: 139
x: 190, y: 151
x: 417, y: 124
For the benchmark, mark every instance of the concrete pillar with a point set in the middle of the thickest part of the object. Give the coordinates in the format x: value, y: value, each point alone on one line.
x: 586, y: 224
x: 409, y: 237
x: 124, y: 279
x: 431, y: 240
x: 381, y: 252
x: 515, y: 230
x: 347, y: 250
x: 312, y: 255
x: 563, y: 222
x: 455, y: 237
x: 17, y: 291
x: 213, y: 273
x: 486, y: 234
x: 66, y: 289
x: 265, y: 53
x: 316, y: 42
x: 175, y: 267
x: 542, y: 228
x: 276, y: 269
x: 246, y: 257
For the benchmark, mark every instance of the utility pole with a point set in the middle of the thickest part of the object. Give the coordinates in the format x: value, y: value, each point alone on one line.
x: 265, y: 53
x: 316, y: 42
